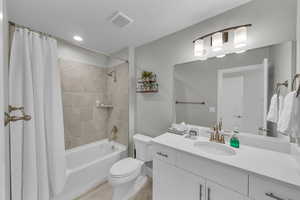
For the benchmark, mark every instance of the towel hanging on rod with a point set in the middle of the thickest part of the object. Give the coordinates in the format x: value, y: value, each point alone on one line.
x: 298, y: 91
x: 294, y: 84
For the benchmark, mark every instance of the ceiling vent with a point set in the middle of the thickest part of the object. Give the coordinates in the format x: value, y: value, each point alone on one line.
x: 121, y: 20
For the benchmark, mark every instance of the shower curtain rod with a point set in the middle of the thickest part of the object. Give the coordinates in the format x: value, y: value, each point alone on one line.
x: 66, y: 41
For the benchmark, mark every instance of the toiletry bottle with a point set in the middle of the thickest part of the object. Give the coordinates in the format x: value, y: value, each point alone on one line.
x: 234, y: 140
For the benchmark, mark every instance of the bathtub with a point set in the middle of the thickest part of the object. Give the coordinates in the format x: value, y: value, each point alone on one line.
x: 88, y: 166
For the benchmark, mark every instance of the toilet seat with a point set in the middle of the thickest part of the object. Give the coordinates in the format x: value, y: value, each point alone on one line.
x: 125, y: 168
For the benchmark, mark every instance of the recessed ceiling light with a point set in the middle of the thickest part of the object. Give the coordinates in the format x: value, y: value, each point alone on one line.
x: 78, y: 38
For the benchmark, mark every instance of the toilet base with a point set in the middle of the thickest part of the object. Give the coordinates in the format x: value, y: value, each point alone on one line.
x: 129, y: 189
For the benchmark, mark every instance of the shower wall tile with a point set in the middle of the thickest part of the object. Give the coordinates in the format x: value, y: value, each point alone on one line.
x: 82, y: 86
x: 117, y: 94
x: 86, y: 114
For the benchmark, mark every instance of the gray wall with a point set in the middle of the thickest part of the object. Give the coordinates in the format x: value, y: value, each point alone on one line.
x: 71, y: 52
x: 274, y: 21
x: 198, y: 81
x: 298, y: 36
x: 283, y: 60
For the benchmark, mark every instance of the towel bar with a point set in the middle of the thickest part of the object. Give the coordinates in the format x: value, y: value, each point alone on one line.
x: 278, y: 85
x: 190, y: 102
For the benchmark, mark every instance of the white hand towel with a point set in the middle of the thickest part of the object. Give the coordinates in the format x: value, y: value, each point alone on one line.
x: 286, y: 117
x: 296, y: 118
x: 273, y: 113
x: 179, y: 127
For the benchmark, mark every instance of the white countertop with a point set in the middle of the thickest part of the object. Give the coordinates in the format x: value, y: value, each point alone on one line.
x: 278, y: 166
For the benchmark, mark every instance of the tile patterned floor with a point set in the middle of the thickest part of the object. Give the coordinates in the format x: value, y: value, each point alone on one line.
x: 104, y: 192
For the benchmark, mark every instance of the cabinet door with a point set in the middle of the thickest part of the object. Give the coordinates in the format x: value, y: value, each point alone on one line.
x: 172, y: 183
x: 218, y: 192
x: 266, y: 189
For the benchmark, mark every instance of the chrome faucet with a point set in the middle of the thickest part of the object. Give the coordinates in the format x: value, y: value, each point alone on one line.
x: 192, y: 134
x: 220, y: 125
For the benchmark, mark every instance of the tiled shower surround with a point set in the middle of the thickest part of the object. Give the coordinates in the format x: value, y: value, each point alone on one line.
x: 82, y: 86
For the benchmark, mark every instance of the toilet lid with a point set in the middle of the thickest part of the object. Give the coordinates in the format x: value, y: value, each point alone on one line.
x: 125, y: 167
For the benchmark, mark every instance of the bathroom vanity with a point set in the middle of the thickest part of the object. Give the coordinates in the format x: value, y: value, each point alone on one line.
x: 185, y: 169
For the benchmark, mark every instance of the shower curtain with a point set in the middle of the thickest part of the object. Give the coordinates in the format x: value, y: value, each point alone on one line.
x: 38, y: 166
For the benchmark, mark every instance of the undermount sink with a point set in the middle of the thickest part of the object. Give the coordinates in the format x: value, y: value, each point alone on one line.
x: 215, y: 148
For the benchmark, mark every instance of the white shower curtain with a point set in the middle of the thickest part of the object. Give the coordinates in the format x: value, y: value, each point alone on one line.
x: 38, y: 166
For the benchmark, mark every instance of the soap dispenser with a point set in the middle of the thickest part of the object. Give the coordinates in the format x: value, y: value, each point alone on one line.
x: 234, y: 140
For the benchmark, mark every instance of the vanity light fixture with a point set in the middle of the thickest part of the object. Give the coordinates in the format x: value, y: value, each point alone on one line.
x: 240, y: 37
x: 219, y: 38
x: 77, y: 38
x: 241, y: 51
x: 199, y: 49
x: 217, y: 42
x: 221, y: 56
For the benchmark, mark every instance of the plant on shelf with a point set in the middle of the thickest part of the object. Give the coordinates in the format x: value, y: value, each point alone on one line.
x: 147, y: 76
x: 147, y: 83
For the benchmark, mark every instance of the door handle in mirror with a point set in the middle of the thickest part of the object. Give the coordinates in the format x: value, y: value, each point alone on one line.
x: 200, y: 192
x: 208, y: 193
x: 238, y: 116
x: 162, y: 154
x: 271, y: 195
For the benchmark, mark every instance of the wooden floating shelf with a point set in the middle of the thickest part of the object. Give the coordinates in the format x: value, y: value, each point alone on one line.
x: 106, y: 106
x: 147, y: 91
x: 144, y: 81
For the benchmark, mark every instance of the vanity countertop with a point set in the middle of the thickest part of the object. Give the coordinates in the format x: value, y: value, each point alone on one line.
x: 278, y: 166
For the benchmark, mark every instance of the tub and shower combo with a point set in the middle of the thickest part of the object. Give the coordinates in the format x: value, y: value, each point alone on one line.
x: 88, y: 166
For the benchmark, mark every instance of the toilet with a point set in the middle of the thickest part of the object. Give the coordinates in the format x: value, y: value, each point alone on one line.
x: 128, y: 175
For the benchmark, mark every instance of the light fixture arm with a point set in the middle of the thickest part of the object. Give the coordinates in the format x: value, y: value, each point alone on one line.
x: 223, y: 30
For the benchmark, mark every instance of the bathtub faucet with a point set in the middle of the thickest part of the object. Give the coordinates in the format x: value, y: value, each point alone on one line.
x: 113, y: 134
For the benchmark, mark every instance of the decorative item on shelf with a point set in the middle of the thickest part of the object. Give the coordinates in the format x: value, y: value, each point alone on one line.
x: 147, y: 83
x: 102, y: 105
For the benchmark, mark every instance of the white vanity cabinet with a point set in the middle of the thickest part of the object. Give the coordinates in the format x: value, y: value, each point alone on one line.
x: 178, y: 175
x: 265, y: 189
x: 218, y: 192
x: 172, y: 183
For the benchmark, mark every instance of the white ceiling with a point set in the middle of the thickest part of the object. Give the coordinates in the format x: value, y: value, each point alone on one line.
x: 153, y: 19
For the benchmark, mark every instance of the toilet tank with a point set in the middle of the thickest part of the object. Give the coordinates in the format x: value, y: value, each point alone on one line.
x: 143, y: 148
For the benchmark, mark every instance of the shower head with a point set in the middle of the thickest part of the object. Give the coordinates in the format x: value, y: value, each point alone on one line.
x: 112, y: 74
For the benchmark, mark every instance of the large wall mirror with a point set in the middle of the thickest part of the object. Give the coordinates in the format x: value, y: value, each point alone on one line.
x: 236, y: 89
